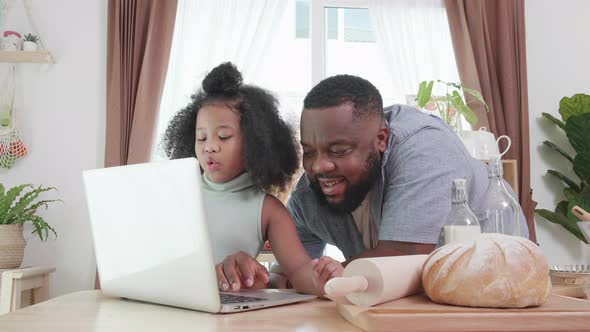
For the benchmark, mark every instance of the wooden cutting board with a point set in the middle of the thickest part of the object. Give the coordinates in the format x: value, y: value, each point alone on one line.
x: 418, y: 313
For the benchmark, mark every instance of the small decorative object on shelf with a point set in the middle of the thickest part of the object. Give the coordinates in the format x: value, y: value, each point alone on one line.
x: 11, y: 41
x: 12, y: 47
x: 30, y: 42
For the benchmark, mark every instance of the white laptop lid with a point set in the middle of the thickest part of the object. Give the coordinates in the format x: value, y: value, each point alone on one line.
x: 150, y: 233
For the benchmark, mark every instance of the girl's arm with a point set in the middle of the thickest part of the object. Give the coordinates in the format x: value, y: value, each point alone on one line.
x: 306, y: 275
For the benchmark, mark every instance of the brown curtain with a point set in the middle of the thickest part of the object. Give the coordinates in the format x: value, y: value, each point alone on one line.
x: 489, y: 44
x: 139, y: 37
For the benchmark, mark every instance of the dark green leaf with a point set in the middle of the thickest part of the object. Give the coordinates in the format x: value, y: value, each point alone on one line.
x: 577, y: 129
x: 576, y: 105
x: 571, y: 183
x: 570, y: 193
x: 553, y: 119
x: 559, y: 150
x: 582, y: 166
x: 561, y: 208
x: 559, y: 219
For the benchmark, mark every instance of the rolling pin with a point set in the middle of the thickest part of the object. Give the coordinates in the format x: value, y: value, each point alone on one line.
x: 369, y: 281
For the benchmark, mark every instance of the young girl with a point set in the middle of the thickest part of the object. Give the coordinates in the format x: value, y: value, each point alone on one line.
x: 245, y: 151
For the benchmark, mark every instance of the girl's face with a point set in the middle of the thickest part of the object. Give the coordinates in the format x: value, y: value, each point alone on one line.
x: 218, y: 144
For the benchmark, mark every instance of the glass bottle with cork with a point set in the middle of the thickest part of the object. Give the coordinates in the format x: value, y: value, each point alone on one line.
x: 461, y: 223
x: 502, y: 210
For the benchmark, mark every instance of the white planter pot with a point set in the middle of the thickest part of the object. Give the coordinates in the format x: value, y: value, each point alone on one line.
x: 12, y: 246
x: 29, y: 46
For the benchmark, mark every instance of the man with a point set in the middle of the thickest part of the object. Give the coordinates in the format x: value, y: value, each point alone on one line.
x: 376, y: 183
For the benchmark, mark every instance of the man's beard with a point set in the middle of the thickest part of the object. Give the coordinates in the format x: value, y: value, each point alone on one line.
x: 356, y: 193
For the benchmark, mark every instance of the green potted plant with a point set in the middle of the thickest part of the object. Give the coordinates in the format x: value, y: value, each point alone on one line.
x: 451, y: 104
x: 575, y: 122
x: 19, y: 205
x: 30, y: 42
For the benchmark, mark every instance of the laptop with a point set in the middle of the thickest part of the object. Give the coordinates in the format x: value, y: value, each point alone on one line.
x: 151, y: 241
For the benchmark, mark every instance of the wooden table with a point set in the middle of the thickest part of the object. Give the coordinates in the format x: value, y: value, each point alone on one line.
x: 93, y: 311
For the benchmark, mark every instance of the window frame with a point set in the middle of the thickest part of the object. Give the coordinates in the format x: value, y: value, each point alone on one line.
x: 318, y: 35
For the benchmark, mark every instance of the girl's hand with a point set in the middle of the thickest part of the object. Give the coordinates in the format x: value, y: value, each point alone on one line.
x: 240, y: 271
x: 324, y: 269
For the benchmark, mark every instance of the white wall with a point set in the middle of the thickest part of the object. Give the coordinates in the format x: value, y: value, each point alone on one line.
x: 558, y: 55
x: 62, y: 117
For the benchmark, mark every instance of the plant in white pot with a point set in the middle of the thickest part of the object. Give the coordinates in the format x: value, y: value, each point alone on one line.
x: 18, y: 205
x: 30, y: 42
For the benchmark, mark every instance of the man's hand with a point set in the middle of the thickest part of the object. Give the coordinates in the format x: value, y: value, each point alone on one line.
x: 240, y: 271
x: 324, y: 269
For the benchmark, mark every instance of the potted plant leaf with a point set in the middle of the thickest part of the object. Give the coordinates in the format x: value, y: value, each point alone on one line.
x: 575, y: 122
x: 451, y: 104
x: 19, y: 205
x: 30, y: 42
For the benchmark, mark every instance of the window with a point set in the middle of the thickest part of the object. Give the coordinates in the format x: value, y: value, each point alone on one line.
x: 357, y: 25
x: 289, y: 46
x: 302, y: 19
x: 348, y: 24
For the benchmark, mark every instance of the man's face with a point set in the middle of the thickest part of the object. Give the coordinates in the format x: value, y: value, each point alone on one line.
x: 341, y: 156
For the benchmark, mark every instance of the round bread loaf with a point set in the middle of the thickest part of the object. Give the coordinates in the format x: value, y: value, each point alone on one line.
x: 493, y: 270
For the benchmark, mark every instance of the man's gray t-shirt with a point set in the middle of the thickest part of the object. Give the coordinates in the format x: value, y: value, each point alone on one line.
x: 411, y: 200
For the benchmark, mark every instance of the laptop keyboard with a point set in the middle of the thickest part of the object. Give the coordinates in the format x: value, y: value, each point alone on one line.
x: 231, y: 298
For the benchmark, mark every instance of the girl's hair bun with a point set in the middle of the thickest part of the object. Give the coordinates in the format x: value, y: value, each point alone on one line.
x: 224, y: 79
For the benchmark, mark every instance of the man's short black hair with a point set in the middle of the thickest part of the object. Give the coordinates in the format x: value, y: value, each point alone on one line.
x: 340, y: 89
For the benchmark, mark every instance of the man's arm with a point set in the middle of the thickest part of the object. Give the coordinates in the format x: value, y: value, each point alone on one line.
x: 395, y: 248
x: 417, y: 189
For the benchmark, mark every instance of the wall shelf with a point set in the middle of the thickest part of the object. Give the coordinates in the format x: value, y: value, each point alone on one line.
x: 26, y: 56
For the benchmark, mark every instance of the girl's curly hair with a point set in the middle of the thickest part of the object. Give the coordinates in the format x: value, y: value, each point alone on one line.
x: 270, y: 149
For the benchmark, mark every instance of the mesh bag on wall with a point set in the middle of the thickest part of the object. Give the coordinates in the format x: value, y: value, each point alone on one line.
x: 12, y: 147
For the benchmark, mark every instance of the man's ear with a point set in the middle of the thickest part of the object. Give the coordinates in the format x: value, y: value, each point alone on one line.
x: 382, y: 138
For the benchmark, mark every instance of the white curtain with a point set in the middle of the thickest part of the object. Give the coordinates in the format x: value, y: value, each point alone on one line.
x: 416, y: 42
x: 209, y: 32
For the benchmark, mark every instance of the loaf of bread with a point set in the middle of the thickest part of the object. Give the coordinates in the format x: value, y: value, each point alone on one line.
x: 493, y: 270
